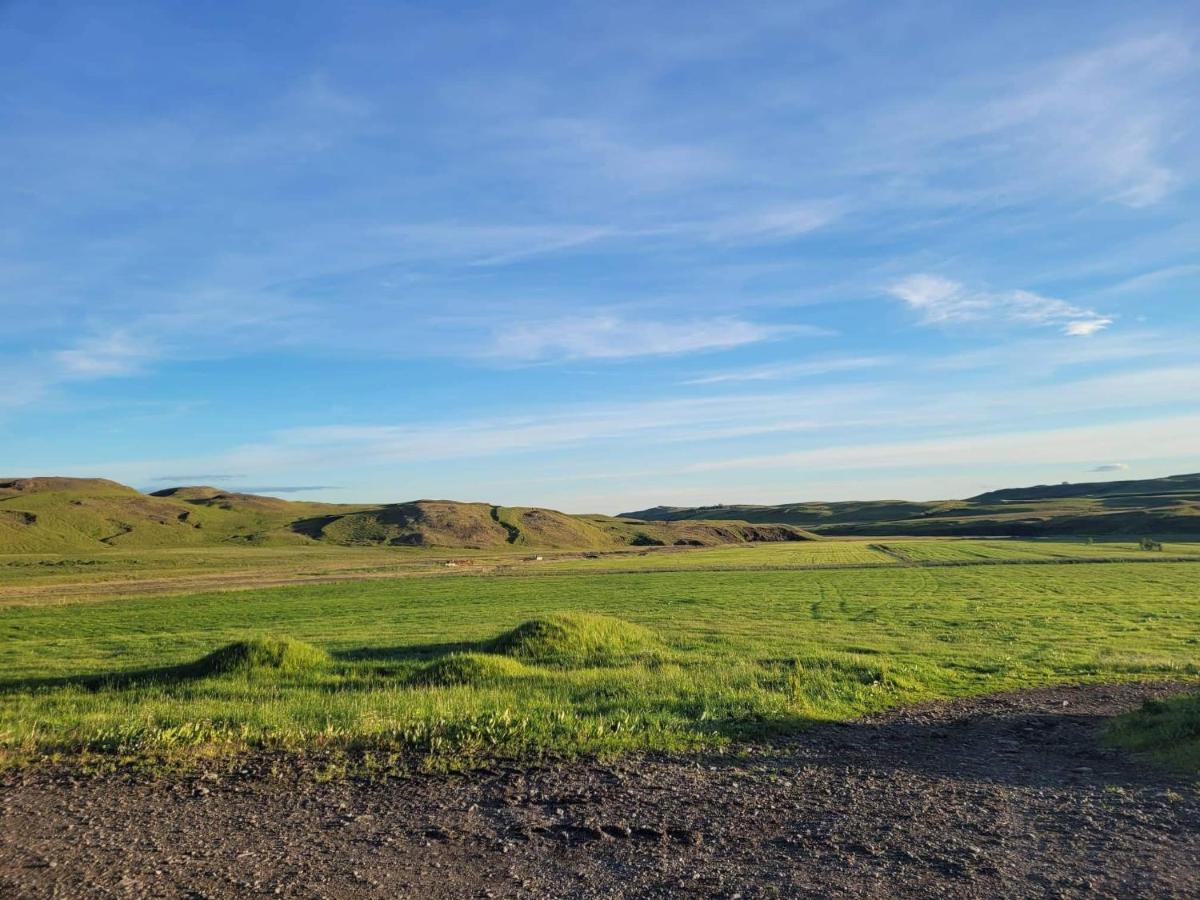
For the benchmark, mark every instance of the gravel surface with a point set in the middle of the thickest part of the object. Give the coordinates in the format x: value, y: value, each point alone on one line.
x: 1001, y: 796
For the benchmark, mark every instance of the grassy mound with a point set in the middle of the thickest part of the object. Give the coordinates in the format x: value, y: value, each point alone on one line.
x: 1169, y: 730
x: 469, y: 668
x: 576, y: 639
x: 261, y: 654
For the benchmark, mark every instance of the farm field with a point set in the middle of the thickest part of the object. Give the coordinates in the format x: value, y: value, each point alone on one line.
x: 935, y: 551
x: 50, y: 578
x: 437, y: 671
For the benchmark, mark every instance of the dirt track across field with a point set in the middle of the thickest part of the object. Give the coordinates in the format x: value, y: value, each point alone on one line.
x: 1003, y: 796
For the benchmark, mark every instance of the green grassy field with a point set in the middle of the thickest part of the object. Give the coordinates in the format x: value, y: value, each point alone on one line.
x: 431, y: 671
x: 54, y: 578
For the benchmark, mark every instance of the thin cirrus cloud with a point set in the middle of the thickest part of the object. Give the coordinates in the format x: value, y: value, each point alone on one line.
x: 1173, y: 436
x: 938, y: 300
x: 781, y: 371
x: 614, y: 337
x: 118, y: 353
x: 1101, y: 121
x: 195, y: 477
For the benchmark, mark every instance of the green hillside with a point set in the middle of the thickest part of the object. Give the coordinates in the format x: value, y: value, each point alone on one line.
x: 1158, y: 506
x: 57, y: 515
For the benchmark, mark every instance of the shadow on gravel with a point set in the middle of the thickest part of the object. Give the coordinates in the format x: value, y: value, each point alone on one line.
x: 1036, y: 749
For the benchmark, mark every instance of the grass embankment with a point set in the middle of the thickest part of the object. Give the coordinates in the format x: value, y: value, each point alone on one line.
x: 457, y: 669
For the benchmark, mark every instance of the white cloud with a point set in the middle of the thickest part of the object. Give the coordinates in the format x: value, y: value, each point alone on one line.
x: 613, y: 337
x: 1110, y: 467
x: 940, y: 300
x: 1084, y: 327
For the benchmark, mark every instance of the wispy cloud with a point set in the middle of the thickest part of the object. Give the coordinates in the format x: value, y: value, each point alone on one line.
x: 614, y: 337
x: 1100, y: 122
x: 766, y: 225
x: 195, y: 478
x: 823, y: 417
x: 285, y: 489
x: 781, y: 371
x: 940, y: 300
x: 1105, y: 114
x: 118, y: 353
x: 1048, y: 355
x: 1173, y: 436
x: 1110, y: 467
x: 1154, y: 279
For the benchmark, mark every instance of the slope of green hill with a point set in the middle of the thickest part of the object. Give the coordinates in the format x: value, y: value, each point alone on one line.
x: 59, y: 515
x: 1172, y: 485
x: 1158, y: 506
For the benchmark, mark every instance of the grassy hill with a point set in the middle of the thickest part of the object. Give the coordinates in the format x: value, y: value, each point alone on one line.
x: 58, y: 515
x: 1157, y: 506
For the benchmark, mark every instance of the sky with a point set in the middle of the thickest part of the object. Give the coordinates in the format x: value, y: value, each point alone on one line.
x: 600, y: 256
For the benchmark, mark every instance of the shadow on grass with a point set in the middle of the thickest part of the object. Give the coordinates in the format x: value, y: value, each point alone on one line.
x: 108, y: 680
x: 409, y: 652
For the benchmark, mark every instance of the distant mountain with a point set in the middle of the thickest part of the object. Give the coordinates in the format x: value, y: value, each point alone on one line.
x: 1154, y: 506
x: 58, y: 515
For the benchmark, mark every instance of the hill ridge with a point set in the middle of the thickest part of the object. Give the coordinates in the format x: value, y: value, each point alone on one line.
x: 1151, y: 506
x: 58, y: 514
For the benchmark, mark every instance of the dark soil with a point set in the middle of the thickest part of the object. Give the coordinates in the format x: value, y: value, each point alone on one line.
x: 1003, y: 796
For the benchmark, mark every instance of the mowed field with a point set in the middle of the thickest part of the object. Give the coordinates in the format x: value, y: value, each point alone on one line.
x: 495, y: 658
x: 57, y: 578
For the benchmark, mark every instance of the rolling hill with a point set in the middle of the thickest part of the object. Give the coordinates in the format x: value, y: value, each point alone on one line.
x: 57, y: 515
x: 1156, y: 506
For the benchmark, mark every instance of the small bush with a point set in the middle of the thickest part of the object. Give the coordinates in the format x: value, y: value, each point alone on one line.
x: 576, y: 639
x: 469, y: 668
x: 261, y: 654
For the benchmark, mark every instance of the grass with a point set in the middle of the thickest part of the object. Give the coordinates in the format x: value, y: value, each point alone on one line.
x: 1166, y: 730
x: 258, y: 655
x: 451, y: 670
x: 48, y: 578
x: 576, y: 639
x: 470, y: 668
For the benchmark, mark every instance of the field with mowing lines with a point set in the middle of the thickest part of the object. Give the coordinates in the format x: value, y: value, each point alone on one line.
x: 44, y: 578
x: 955, y: 551
x: 420, y: 671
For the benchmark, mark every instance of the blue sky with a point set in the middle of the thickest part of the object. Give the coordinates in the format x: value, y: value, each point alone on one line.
x: 600, y: 256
